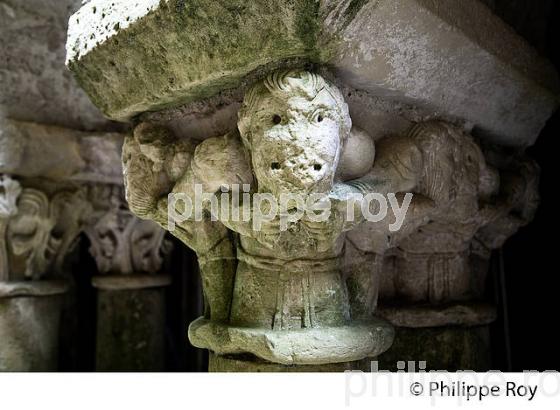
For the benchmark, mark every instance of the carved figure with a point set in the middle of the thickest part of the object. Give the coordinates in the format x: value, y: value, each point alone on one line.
x: 282, y: 294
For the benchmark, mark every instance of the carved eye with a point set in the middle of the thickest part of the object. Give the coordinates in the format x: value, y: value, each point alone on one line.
x: 276, y: 119
x: 317, y: 167
x: 275, y: 166
x: 318, y: 116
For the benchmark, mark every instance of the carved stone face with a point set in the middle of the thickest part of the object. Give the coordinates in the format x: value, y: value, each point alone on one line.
x: 294, y: 125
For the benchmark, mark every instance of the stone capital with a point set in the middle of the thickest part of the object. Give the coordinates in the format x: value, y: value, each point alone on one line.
x: 40, y: 232
x: 408, y: 99
x: 120, y: 242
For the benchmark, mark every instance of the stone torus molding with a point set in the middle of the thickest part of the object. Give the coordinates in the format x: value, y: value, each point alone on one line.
x: 411, y: 102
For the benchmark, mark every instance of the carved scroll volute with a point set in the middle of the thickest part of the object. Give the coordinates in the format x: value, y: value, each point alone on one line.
x: 9, y: 193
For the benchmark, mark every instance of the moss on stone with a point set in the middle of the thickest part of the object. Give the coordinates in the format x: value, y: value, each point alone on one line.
x: 187, y: 51
x: 307, y: 23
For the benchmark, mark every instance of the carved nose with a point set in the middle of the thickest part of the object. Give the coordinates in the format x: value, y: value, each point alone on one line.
x: 303, y: 173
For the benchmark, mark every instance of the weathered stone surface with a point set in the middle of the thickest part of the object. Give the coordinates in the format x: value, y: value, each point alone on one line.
x: 292, y: 300
x: 130, y: 282
x: 302, y: 347
x: 129, y: 253
x: 130, y: 327
x: 29, y: 326
x: 36, y: 233
x: 221, y: 364
x: 454, y: 57
x: 287, y: 301
x: 120, y: 242
x: 34, y: 150
x: 444, y: 57
x: 183, y: 51
x: 34, y: 82
x: 36, y: 288
x: 442, y: 348
x: 36, y: 238
x: 423, y: 316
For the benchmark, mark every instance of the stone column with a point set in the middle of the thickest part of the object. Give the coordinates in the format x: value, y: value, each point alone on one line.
x: 44, y: 206
x: 130, y: 285
x: 433, y: 278
x: 337, y: 99
x: 37, y: 231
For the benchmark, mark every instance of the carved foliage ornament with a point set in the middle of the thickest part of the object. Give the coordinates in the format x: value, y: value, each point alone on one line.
x: 41, y: 232
x: 121, y: 242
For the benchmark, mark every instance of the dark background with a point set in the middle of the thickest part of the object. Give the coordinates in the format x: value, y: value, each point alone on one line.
x: 529, y: 311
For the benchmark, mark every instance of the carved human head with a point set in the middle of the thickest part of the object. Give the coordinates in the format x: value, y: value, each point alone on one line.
x: 294, y: 124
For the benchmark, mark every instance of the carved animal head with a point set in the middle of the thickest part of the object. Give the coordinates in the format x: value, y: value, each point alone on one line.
x: 294, y: 125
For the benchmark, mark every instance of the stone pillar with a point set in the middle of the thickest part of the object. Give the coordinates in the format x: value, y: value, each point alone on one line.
x: 402, y: 98
x: 37, y: 231
x: 130, y: 285
x: 44, y: 207
x: 131, y: 322
x: 29, y: 325
x: 433, y: 277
